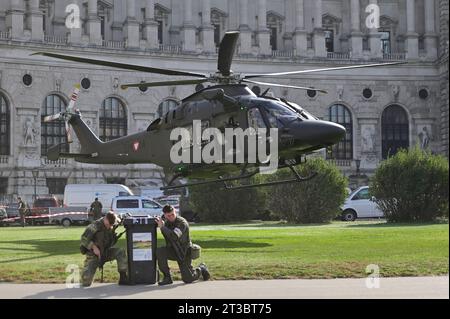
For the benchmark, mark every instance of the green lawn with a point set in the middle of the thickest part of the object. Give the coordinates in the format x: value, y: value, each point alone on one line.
x: 251, y: 251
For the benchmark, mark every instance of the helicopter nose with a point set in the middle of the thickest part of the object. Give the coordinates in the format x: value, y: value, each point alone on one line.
x: 317, y: 132
x: 331, y: 132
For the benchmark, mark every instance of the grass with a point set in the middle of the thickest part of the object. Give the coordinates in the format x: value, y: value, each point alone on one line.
x: 251, y: 251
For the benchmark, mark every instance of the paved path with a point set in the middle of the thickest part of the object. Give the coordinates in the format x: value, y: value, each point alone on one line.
x: 404, y: 287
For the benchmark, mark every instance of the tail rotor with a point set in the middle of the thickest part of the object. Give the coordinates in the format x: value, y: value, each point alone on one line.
x: 67, y: 114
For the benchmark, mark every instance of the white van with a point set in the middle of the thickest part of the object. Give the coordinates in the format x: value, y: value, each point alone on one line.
x: 84, y: 194
x: 136, y: 206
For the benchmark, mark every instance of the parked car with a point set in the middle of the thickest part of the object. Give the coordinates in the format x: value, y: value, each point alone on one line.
x: 173, y: 200
x: 82, y: 195
x: 12, y: 210
x: 135, y: 206
x: 3, y: 214
x: 359, y: 204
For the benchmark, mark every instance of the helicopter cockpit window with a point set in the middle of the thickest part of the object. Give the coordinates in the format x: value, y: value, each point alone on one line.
x: 274, y: 111
x: 255, y: 118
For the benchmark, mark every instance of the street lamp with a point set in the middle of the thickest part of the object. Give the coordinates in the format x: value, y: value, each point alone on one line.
x: 35, y: 176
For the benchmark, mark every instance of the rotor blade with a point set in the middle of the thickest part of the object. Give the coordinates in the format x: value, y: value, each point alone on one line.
x: 226, y: 52
x: 164, y: 83
x: 53, y: 117
x: 285, y: 86
x: 69, y: 135
x: 73, y: 98
x: 322, y: 70
x: 118, y: 65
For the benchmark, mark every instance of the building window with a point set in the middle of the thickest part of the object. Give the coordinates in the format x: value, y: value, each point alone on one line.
x: 4, y: 126
x: 340, y: 114
x: 273, y: 38
x: 385, y: 42
x: 3, y: 185
x: 394, y: 130
x: 217, y: 38
x: 113, y: 119
x: 56, y: 185
x: 166, y: 106
x: 160, y: 31
x: 53, y: 133
x: 115, y: 180
x: 329, y: 40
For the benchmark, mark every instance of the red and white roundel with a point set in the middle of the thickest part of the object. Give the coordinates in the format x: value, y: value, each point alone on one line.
x: 136, y: 146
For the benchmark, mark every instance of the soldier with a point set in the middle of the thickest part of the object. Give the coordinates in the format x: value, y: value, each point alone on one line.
x: 96, y: 209
x: 97, y: 244
x: 175, y: 230
x: 22, y: 210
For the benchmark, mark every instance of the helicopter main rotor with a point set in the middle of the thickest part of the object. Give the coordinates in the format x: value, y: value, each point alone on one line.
x: 224, y: 75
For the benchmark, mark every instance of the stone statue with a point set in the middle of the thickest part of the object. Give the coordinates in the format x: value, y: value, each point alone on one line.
x: 368, y: 136
x: 395, y: 91
x: 424, y: 138
x: 30, y: 132
x: 340, y: 92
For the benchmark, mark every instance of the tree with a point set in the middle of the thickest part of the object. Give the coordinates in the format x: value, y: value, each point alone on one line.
x: 412, y: 186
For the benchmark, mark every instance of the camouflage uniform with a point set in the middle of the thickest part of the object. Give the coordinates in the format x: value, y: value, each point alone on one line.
x: 96, y: 209
x: 96, y: 233
x: 178, y: 244
x: 22, y: 212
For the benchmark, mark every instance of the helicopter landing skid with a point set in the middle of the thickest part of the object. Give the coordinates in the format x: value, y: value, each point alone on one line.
x: 298, y: 178
x: 244, y: 175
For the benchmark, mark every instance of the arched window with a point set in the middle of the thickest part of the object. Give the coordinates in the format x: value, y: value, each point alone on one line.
x: 166, y: 106
x: 394, y: 130
x: 113, y: 119
x: 340, y: 114
x: 53, y: 133
x: 4, y: 126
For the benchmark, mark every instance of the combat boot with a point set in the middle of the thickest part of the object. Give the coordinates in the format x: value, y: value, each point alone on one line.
x: 123, y: 279
x: 205, y: 272
x: 167, y: 280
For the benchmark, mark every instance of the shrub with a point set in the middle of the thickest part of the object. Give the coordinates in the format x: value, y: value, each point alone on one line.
x: 412, y: 186
x: 315, y: 201
x: 213, y: 203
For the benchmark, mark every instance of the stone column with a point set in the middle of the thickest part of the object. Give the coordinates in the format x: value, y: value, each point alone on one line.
x: 263, y: 33
x: 411, y: 35
x: 207, y: 30
x: 245, y: 36
x: 319, y: 36
x: 37, y: 30
x: 188, y: 33
x: 300, y: 35
x: 14, y: 19
x: 76, y: 33
x: 95, y: 36
x: 151, y: 26
x: 375, y: 39
x: 132, y: 25
x: 355, y: 33
x: 430, y: 34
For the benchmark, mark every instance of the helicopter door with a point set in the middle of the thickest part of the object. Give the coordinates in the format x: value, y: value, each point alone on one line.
x: 255, y: 119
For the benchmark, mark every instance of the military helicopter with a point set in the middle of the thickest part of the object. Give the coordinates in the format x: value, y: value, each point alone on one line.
x: 230, y: 103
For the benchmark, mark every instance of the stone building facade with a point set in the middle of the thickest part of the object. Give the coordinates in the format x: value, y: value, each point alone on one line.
x: 383, y: 108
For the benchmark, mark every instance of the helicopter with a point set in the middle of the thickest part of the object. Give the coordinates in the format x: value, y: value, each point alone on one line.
x: 228, y: 104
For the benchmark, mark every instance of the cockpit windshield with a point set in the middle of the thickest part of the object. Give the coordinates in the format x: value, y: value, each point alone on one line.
x: 277, y: 109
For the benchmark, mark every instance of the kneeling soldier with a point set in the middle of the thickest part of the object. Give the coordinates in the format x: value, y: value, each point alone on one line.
x: 175, y: 230
x: 97, y: 244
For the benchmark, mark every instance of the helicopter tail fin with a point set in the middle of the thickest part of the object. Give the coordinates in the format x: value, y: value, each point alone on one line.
x: 88, y: 140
